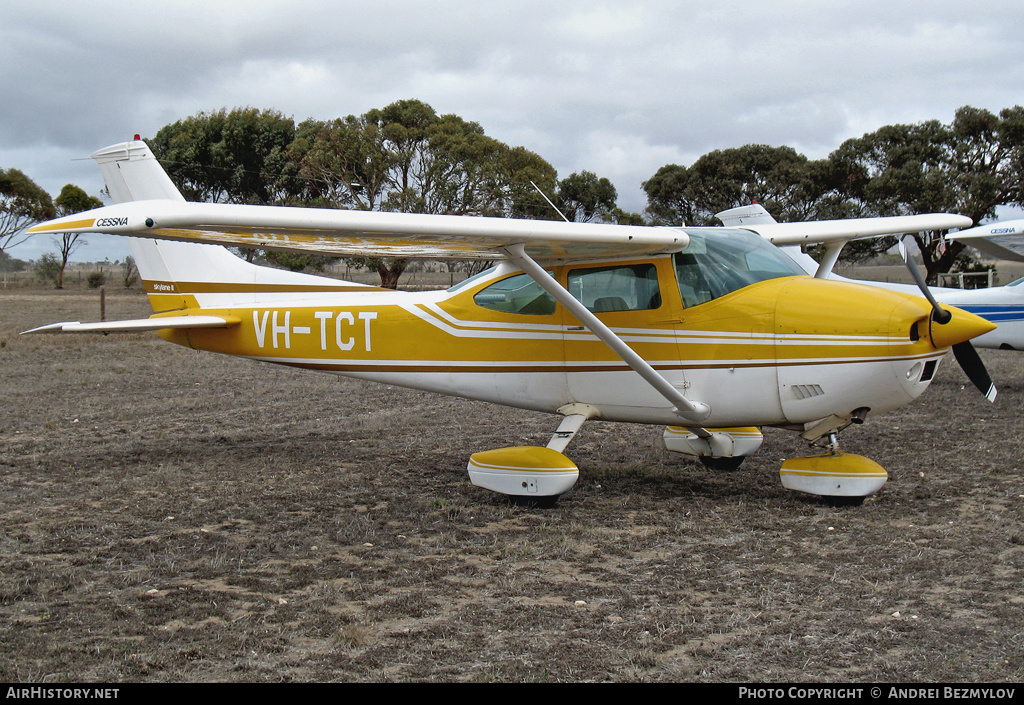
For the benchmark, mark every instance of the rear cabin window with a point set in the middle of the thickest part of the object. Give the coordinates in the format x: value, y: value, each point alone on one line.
x: 518, y: 294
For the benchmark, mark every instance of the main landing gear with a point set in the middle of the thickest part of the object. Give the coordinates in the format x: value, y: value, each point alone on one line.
x: 537, y: 476
x: 531, y: 474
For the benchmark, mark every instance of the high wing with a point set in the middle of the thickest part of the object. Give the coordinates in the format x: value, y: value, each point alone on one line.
x: 351, y: 232
x: 832, y: 231
x: 834, y: 234
x: 756, y: 218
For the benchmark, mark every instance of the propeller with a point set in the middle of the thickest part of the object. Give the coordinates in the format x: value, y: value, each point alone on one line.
x: 970, y: 361
x: 964, y: 352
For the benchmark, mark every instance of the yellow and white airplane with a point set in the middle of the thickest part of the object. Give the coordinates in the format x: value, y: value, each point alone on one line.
x: 712, y: 332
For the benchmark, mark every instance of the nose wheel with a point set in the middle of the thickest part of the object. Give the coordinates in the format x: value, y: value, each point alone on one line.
x: 841, y: 479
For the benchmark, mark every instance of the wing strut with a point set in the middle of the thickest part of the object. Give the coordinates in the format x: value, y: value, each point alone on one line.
x: 832, y: 251
x: 689, y: 410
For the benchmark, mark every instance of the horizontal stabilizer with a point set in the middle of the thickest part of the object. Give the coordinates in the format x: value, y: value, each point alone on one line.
x: 139, y: 325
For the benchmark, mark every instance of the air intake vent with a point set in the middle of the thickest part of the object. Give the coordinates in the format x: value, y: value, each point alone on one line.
x: 806, y: 391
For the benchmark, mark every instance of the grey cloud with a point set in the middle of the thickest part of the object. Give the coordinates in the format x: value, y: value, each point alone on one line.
x: 582, y: 84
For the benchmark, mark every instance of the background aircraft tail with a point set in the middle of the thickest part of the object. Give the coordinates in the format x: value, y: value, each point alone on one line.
x: 181, y: 275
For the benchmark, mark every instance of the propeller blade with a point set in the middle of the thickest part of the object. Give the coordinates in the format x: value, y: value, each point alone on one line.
x: 972, y: 365
x: 939, y: 314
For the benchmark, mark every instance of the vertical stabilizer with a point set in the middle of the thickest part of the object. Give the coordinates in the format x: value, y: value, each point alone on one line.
x: 132, y: 173
x: 180, y: 275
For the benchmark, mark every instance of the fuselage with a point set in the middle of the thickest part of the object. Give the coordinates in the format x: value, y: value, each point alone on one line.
x: 785, y: 350
x: 1002, y: 305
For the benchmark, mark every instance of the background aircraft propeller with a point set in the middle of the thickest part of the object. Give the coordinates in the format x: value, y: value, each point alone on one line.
x: 964, y: 352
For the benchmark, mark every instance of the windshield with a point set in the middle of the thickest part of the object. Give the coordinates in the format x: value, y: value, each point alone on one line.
x: 718, y: 262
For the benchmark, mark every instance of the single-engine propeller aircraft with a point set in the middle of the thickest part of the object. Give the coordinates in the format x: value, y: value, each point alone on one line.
x: 712, y: 332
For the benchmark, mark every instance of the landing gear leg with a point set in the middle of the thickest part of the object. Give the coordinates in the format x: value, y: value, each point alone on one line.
x: 726, y: 449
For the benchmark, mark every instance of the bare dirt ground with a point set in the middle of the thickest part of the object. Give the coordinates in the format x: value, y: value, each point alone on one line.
x: 167, y: 515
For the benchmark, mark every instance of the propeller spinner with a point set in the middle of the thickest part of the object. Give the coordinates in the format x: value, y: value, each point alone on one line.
x: 964, y: 352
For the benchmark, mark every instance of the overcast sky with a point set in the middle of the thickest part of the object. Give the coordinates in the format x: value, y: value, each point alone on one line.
x: 619, y: 89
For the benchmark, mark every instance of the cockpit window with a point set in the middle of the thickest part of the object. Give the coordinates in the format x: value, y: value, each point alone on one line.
x: 632, y: 287
x: 718, y: 262
x: 518, y: 294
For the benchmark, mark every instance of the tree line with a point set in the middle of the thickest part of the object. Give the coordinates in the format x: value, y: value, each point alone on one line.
x: 23, y: 203
x: 406, y: 157
x: 970, y: 166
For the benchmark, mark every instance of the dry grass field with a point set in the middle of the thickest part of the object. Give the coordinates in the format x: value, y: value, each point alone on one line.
x: 167, y: 515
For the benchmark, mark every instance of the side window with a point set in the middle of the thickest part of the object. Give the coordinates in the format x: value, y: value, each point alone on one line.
x: 631, y: 287
x: 518, y: 294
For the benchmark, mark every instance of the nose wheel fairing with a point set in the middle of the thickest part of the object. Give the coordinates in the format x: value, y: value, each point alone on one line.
x: 833, y: 474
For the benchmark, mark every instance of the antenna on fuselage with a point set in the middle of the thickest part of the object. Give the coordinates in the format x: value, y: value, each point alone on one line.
x: 549, y: 202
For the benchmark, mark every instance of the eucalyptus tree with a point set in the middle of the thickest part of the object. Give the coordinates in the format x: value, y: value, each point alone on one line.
x: 22, y: 203
x: 583, y: 197
x: 71, y: 200
x: 786, y: 183
x: 407, y: 158
x: 237, y: 156
x: 971, y: 166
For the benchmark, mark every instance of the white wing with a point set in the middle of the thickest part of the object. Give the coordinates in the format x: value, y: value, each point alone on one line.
x: 346, y: 232
x: 350, y: 232
x: 1003, y: 240
x: 824, y: 231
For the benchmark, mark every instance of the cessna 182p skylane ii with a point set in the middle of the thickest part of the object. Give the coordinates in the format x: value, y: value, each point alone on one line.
x: 712, y: 332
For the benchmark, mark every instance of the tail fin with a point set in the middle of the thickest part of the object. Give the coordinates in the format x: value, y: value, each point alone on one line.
x: 179, y: 275
x: 132, y: 173
x: 754, y: 214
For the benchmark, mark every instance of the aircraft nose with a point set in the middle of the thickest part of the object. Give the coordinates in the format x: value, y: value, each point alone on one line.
x: 961, y: 327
